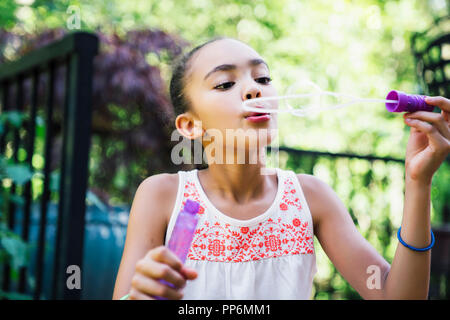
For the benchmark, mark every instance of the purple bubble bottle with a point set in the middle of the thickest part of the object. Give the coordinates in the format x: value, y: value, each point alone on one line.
x: 183, y: 233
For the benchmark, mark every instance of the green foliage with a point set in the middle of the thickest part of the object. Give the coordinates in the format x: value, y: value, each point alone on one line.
x: 13, y: 250
x: 7, y: 13
x: 440, y: 192
x: 373, y: 192
x: 355, y: 47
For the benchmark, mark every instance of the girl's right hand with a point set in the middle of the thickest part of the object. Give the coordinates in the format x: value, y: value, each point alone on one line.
x: 158, y: 264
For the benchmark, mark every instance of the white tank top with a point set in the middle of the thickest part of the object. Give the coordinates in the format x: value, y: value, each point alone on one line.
x: 268, y: 257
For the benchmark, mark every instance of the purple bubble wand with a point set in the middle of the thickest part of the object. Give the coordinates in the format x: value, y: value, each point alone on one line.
x: 396, y: 101
x: 406, y: 102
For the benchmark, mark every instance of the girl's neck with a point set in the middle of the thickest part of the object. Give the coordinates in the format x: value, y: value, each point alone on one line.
x: 239, y: 183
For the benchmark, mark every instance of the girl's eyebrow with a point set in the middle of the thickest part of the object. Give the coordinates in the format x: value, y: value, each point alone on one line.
x: 229, y: 67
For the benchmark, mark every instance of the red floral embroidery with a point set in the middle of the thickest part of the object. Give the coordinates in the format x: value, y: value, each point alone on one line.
x: 273, y: 243
x: 270, y: 239
x: 244, y: 230
x: 285, y: 233
x: 191, y: 193
x: 216, y: 247
x: 290, y: 196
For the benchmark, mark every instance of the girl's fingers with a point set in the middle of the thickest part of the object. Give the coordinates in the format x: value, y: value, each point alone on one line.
x: 441, y: 102
x: 156, y: 270
x: 446, y: 115
x: 137, y: 295
x: 152, y: 287
x: 189, y: 273
x: 164, y: 255
x: 436, y: 120
x: 432, y: 133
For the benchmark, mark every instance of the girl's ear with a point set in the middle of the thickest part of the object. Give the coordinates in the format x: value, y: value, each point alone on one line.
x: 188, y: 126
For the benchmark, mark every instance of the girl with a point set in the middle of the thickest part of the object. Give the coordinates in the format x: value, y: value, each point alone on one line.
x: 254, y: 239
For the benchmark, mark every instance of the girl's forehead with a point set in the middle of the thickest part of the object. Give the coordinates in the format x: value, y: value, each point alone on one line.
x: 224, y: 51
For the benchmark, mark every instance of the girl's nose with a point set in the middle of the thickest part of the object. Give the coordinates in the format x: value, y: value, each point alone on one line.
x: 252, y: 93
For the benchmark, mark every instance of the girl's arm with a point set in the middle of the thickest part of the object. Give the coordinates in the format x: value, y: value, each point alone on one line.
x: 410, y: 270
x: 428, y: 146
x: 353, y: 256
x: 147, y: 223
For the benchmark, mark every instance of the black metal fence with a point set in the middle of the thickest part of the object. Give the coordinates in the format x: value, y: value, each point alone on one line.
x: 74, y: 54
x: 431, y: 50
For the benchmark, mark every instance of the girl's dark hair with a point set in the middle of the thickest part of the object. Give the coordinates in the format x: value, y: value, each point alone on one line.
x: 179, y: 101
x: 177, y: 83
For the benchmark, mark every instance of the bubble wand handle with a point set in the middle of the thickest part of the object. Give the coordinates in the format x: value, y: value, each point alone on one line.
x: 182, y: 235
x: 407, y: 102
x: 303, y: 112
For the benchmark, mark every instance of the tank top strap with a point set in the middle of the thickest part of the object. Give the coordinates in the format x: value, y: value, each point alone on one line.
x: 294, y: 183
x: 187, y: 189
x: 177, y: 206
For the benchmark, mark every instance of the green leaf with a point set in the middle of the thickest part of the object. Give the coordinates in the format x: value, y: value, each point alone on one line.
x: 54, y: 181
x: 40, y: 122
x: 17, y: 250
x: 15, y: 118
x: 19, y: 173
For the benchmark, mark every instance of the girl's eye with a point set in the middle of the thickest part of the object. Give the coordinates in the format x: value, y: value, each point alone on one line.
x: 264, y: 80
x: 224, y: 86
x: 228, y: 85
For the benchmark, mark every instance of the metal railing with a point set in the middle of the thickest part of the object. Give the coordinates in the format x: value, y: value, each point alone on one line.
x: 432, y: 56
x: 75, y: 53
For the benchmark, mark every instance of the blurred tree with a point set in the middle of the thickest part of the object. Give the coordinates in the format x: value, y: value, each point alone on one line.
x: 7, y: 13
x: 131, y: 110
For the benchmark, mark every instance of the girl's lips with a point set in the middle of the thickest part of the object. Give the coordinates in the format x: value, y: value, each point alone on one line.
x: 258, y: 117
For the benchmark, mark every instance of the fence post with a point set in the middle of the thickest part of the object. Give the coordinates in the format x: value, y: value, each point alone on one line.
x: 74, y: 166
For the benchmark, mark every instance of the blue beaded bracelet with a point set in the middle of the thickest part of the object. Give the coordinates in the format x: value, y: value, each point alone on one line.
x: 413, y: 248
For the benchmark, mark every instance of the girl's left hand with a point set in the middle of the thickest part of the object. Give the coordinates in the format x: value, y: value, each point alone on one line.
x: 429, y: 141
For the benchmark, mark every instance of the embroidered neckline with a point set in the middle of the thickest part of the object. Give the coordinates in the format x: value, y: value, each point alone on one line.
x: 282, y: 230
x: 238, y: 222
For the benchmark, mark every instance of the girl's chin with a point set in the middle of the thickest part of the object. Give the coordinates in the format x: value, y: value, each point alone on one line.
x: 250, y: 144
x: 244, y: 137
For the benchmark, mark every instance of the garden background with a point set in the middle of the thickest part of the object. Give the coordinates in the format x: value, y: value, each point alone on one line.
x: 362, y: 48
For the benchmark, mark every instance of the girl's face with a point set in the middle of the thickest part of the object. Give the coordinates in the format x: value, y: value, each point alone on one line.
x: 220, y: 77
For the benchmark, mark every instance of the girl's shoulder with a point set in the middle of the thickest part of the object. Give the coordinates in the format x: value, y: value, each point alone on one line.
x: 163, y: 188
x: 317, y: 193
